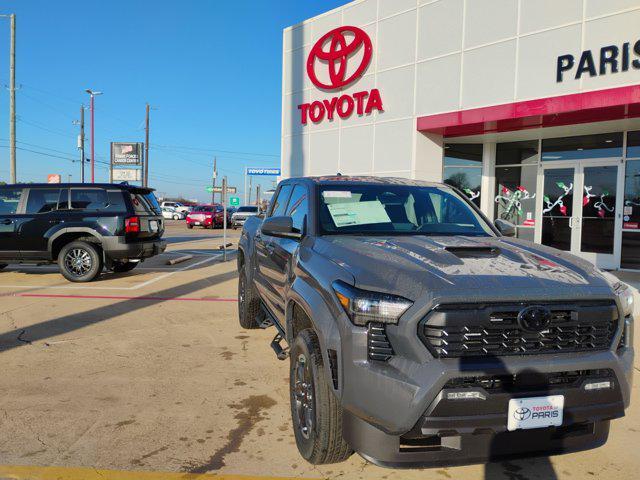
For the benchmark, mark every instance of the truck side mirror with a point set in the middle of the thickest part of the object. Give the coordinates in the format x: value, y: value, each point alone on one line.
x: 280, y: 227
x: 507, y: 229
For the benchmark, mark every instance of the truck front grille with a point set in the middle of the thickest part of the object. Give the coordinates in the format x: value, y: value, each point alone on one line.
x: 453, y: 331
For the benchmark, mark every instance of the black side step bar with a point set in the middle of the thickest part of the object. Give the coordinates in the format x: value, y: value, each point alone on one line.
x: 269, y: 320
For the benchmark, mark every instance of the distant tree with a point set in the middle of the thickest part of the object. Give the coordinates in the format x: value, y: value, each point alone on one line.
x: 459, y: 180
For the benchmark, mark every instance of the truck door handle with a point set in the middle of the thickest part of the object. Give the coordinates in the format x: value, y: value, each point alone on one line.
x: 7, y: 221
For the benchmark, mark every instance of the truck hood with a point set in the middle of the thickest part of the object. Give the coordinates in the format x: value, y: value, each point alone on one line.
x: 474, y: 268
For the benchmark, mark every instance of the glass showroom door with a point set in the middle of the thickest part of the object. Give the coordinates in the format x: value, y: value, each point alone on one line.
x: 579, y: 210
x: 599, y: 221
x: 558, y: 224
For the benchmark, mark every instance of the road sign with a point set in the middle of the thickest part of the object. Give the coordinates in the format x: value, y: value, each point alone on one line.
x: 234, y: 201
x: 264, y: 171
x: 219, y: 190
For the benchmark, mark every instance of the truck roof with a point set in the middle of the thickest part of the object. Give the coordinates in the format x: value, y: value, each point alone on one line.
x: 370, y: 180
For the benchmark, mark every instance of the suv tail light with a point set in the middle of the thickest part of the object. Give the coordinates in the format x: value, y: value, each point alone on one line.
x: 132, y: 225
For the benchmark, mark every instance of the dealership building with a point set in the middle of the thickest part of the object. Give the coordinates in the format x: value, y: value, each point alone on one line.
x: 531, y: 107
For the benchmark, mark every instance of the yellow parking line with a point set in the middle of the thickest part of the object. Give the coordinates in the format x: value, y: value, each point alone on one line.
x: 72, y: 473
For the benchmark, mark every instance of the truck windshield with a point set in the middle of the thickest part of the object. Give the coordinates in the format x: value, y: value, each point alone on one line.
x: 396, y: 210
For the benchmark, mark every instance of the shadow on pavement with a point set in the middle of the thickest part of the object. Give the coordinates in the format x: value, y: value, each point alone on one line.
x: 20, y: 337
x: 510, y: 466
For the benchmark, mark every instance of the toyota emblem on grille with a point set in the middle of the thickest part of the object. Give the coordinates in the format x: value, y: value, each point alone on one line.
x: 534, y: 319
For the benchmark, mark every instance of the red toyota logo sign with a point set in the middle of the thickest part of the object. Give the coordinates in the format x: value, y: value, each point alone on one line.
x: 337, y: 56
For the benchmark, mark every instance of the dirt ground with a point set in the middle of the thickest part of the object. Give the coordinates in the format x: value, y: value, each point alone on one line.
x: 150, y: 372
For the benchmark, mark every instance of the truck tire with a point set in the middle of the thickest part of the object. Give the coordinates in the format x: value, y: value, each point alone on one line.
x: 80, y: 261
x: 3, y: 266
x: 315, y: 410
x: 248, y: 303
x: 121, y: 267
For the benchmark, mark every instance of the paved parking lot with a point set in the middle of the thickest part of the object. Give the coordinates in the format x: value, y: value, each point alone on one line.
x: 150, y: 371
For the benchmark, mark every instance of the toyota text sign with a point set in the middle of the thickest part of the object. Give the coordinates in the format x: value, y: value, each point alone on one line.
x: 264, y: 171
x: 337, y: 60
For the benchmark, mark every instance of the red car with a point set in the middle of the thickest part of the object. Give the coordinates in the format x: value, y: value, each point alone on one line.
x: 207, y: 216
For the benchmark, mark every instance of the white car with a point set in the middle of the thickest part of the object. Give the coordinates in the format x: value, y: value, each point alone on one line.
x: 240, y: 216
x: 173, y: 214
x: 177, y: 206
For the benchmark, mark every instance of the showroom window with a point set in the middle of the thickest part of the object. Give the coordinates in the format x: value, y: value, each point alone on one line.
x: 463, y: 168
x: 516, y: 179
x: 631, y: 226
x: 606, y: 145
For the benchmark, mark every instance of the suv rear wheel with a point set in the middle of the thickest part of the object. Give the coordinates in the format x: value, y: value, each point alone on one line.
x: 80, y: 261
x: 3, y: 266
x: 315, y: 410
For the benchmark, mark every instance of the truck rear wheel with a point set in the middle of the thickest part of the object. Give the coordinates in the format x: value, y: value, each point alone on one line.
x: 3, y: 266
x: 80, y: 261
x: 248, y: 303
x: 315, y: 410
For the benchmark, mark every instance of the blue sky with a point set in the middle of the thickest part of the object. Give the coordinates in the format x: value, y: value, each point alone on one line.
x: 210, y: 68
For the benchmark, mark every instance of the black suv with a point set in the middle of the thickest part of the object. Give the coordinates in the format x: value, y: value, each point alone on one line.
x: 82, y: 227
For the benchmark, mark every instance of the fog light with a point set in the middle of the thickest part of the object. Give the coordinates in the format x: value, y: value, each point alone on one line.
x: 597, y: 385
x: 465, y: 396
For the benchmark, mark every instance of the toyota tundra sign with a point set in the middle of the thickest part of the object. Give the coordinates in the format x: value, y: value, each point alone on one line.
x: 336, y: 61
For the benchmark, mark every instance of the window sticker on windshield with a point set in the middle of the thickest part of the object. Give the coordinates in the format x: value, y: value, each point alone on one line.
x: 360, y: 213
x: 336, y: 194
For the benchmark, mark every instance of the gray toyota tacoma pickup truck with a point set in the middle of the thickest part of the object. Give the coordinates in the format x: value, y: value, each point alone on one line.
x: 419, y: 334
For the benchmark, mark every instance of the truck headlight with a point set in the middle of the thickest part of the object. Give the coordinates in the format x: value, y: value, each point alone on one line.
x: 625, y: 294
x: 363, y: 306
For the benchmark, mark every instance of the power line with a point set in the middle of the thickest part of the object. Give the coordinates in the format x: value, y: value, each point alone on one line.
x: 36, y: 125
x: 215, y: 150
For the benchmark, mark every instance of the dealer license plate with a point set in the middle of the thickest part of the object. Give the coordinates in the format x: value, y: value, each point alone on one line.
x: 153, y: 225
x: 535, y: 412
x: 196, y: 223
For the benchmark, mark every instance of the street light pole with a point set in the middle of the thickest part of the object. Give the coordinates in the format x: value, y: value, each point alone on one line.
x: 93, y: 158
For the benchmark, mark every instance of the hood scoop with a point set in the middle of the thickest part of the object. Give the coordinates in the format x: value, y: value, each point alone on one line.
x: 475, y: 251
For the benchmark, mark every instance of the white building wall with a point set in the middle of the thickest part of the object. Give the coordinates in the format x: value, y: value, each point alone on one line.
x: 437, y: 56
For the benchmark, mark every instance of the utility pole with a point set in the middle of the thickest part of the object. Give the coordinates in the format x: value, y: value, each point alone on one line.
x: 258, y: 195
x: 81, y: 141
x: 250, y: 190
x: 12, y: 100
x: 215, y: 175
x: 145, y: 182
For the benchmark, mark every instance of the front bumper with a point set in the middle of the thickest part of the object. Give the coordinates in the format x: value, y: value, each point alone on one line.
x: 464, y: 431
x: 117, y: 248
x: 463, y: 449
x: 396, y: 413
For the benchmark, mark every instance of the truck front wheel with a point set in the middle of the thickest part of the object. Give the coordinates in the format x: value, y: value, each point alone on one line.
x: 248, y: 303
x: 315, y: 410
